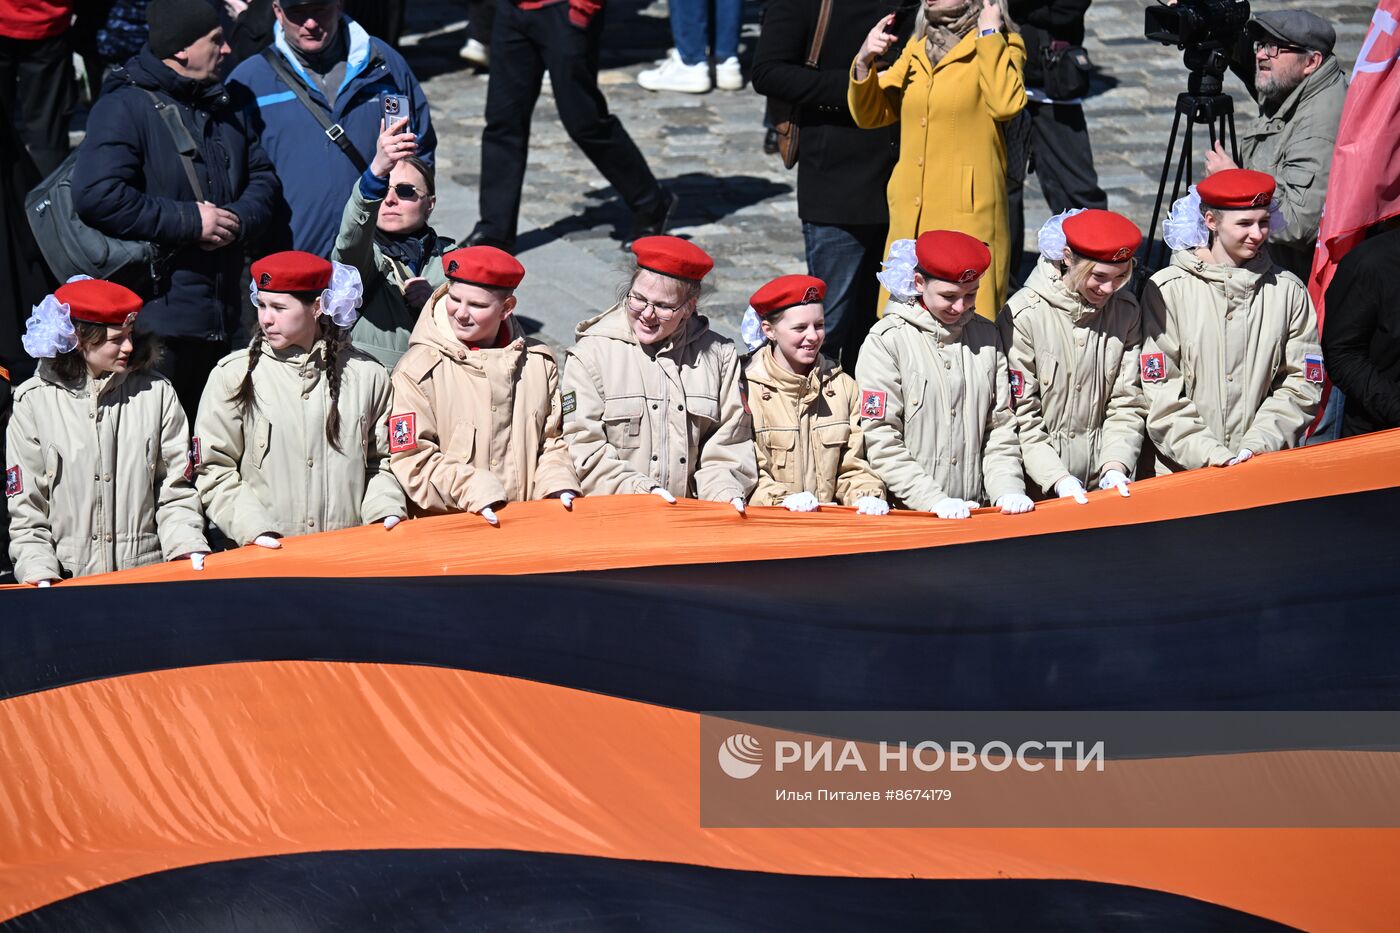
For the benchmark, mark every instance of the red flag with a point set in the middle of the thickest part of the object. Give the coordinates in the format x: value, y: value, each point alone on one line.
x: 1364, y: 188
x: 1365, y: 181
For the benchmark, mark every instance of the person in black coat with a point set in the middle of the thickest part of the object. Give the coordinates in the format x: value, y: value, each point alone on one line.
x: 1051, y: 133
x: 1361, y: 334
x: 842, y: 171
x: 130, y: 183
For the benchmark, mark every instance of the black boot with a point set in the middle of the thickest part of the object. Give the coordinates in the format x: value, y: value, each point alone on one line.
x: 654, y: 222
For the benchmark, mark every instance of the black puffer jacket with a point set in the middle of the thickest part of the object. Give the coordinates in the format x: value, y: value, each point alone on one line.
x: 129, y: 183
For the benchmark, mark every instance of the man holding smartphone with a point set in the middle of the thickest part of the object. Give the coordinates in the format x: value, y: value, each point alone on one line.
x: 317, y: 96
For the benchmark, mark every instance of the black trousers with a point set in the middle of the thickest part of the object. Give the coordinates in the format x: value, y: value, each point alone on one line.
x: 525, y: 44
x: 37, y: 83
x: 187, y: 363
x: 1057, y: 146
x: 481, y: 15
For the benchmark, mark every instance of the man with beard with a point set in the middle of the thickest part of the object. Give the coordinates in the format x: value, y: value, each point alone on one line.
x: 1300, y: 89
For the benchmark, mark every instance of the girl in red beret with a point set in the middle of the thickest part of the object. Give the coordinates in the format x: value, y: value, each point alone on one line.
x: 1072, y: 337
x: 935, y: 401
x: 652, y: 398
x: 97, y: 408
x: 806, y: 411
x: 292, y: 432
x: 1230, y: 365
x: 477, y: 419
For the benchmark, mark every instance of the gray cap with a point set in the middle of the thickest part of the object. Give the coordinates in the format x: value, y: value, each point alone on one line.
x: 1296, y: 27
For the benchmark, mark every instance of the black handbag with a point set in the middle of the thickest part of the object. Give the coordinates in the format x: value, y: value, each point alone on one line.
x: 1065, y: 71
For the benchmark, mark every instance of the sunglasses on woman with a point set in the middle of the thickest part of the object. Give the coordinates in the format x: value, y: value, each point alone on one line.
x: 405, y: 191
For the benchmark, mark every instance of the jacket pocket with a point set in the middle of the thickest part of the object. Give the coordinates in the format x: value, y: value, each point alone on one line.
x: 261, y: 441
x: 779, y: 444
x: 53, y: 466
x: 622, y: 422
x: 463, y: 445
x: 965, y: 190
x: 836, y: 434
x: 703, y: 411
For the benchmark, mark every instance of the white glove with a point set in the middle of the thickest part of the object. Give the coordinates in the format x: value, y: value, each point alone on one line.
x: 566, y: 499
x: 953, y: 508
x: 1070, y: 486
x: 738, y: 503
x: 872, y: 505
x: 800, y: 502
x: 267, y: 541
x: 390, y: 522
x: 1115, y: 479
x: 1015, y: 503
x: 44, y: 584
x: 197, y: 561
x: 490, y: 515
x: 665, y: 496
x: 1244, y: 454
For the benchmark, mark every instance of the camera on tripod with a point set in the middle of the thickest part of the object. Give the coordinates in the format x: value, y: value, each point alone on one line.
x: 1197, y: 24
x: 1208, y: 32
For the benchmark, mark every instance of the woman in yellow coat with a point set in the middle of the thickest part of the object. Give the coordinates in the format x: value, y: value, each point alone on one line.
x: 951, y: 172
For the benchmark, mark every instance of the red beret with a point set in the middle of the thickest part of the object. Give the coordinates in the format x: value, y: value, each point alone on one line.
x: 670, y: 255
x: 1237, y: 188
x: 292, y: 271
x: 483, y: 265
x: 99, y: 302
x: 1102, y: 235
x: 787, y: 291
x: 952, y: 256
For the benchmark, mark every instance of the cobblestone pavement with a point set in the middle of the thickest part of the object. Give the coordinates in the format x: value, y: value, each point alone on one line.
x: 735, y: 201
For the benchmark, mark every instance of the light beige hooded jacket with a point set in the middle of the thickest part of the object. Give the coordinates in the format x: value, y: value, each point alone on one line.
x: 936, y: 407
x: 474, y: 428
x: 1074, y: 379
x: 807, y: 433
x: 670, y: 415
x: 275, y: 470
x: 1224, y: 361
x: 97, y: 476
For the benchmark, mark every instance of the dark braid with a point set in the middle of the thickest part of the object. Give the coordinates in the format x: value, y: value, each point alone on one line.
x: 245, y: 396
x: 334, y: 344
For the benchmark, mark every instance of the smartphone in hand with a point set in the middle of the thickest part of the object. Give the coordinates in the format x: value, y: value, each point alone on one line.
x: 396, y: 108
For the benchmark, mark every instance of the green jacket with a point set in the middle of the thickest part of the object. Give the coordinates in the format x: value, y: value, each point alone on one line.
x: 1294, y: 144
x: 385, y: 323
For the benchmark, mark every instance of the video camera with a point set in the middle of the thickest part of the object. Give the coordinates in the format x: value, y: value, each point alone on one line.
x: 1197, y: 24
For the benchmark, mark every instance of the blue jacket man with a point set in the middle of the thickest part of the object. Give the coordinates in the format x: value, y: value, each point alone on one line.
x: 348, y: 73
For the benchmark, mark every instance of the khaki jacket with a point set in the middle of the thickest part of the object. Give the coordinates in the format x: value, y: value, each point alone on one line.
x: 473, y: 428
x: 951, y: 173
x: 275, y: 471
x: 807, y: 433
x: 1223, y: 361
x: 1074, y: 379
x: 670, y: 416
x: 1295, y: 145
x: 96, y: 476
x: 385, y: 322
x: 937, y: 409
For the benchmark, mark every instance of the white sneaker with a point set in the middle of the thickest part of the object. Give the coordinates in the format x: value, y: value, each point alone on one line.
x: 476, y: 53
x: 728, y: 77
x: 675, y: 75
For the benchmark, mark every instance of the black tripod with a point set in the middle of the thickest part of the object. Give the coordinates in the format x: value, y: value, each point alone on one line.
x: 1204, y: 104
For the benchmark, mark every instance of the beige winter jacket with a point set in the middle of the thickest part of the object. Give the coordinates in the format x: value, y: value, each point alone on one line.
x: 1074, y: 379
x: 473, y: 428
x: 1230, y: 359
x: 95, y: 476
x: 807, y: 433
x: 937, y: 409
x: 672, y: 416
x: 275, y: 471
